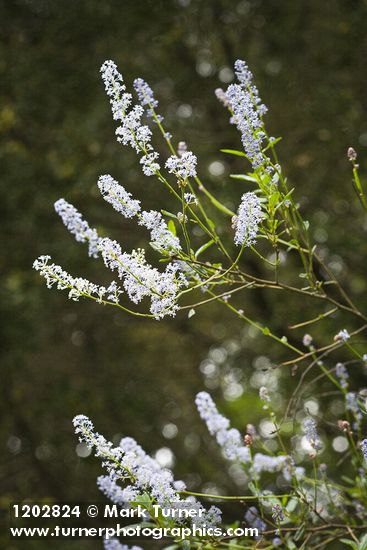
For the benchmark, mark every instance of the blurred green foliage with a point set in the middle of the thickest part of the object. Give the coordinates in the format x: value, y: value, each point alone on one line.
x: 131, y: 376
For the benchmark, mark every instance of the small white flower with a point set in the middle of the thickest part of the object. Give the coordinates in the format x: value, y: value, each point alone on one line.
x: 161, y: 236
x: 181, y: 148
x: 218, y: 425
x: 309, y: 428
x: 77, y: 286
x: 131, y: 130
x: 247, y: 118
x: 307, y: 340
x: 116, y: 195
x: 73, y: 221
x: 128, y: 464
x: 190, y: 198
x: 222, y: 97
x: 145, y: 95
x: 184, y: 166
x: 342, y: 336
x: 264, y: 394
x: 246, y: 223
x: 141, y: 280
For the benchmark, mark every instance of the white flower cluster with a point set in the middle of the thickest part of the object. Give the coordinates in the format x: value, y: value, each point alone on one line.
x: 183, y: 166
x: 264, y: 394
x: 117, y: 494
x: 266, y: 463
x: 74, y: 222
x: 310, y: 431
x: 190, y: 198
x: 280, y: 463
x: 143, y: 474
x: 253, y: 519
x: 181, y: 148
x: 131, y: 130
x: 77, y: 286
x: 249, y: 216
x: 342, y: 373
x: 222, y: 97
x: 118, y: 197
x: 307, y: 340
x: 231, y: 442
x: 352, y: 405
x: 141, y: 280
x: 218, y: 425
x: 248, y: 122
x: 246, y: 79
x: 162, y: 238
x: 244, y: 102
x: 146, y: 97
x: 342, y: 336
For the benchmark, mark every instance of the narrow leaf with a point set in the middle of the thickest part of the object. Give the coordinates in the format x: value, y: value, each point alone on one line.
x: 350, y: 543
x: 218, y: 204
x: 233, y: 152
x: 204, y: 247
x: 172, y: 227
x: 169, y: 214
x: 243, y: 177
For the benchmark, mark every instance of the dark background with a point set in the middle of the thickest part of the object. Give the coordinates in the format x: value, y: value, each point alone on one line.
x: 131, y: 376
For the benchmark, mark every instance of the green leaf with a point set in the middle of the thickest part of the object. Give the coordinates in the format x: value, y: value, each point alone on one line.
x: 291, y: 505
x: 172, y: 227
x: 204, y: 247
x: 252, y: 488
x: 289, y: 193
x: 159, y: 249
x: 274, y: 198
x: 217, y: 204
x: 169, y: 214
x: 350, y: 543
x: 347, y: 480
x: 211, y: 224
x: 299, y: 534
x: 243, y: 177
x: 233, y: 152
x: 144, y: 499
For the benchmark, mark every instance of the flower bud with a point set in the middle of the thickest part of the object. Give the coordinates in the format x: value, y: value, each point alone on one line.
x: 248, y: 440
x: 344, y: 425
x: 307, y: 340
x: 351, y: 154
